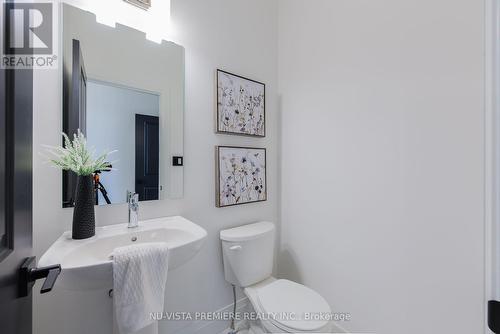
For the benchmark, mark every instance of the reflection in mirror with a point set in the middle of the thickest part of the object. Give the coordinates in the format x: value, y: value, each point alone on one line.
x: 3, y: 185
x: 124, y: 93
x: 125, y: 119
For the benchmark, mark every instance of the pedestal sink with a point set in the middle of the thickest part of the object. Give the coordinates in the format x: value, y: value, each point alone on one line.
x: 87, y: 264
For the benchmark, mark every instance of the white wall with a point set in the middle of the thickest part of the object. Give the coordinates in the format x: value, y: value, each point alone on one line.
x: 155, y: 21
x: 236, y: 35
x: 382, y: 171
x: 110, y: 104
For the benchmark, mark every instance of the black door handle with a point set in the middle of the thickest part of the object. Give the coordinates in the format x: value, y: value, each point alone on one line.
x: 29, y: 274
x: 49, y: 282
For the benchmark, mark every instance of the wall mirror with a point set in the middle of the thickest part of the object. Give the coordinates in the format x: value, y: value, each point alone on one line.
x: 124, y: 93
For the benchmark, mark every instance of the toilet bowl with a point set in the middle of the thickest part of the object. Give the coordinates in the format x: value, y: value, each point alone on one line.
x: 291, y: 307
x: 280, y: 305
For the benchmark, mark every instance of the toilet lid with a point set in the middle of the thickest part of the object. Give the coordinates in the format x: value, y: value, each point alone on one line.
x: 294, y: 306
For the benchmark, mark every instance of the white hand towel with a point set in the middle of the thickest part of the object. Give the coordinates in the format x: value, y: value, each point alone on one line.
x: 139, y: 277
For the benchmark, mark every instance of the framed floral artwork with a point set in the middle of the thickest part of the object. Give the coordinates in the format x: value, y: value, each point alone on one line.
x: 144, y: 4
x: 241, y: 105
x: 240, y: 175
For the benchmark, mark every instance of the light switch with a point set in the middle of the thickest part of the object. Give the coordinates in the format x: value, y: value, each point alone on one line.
x: 177, y: 161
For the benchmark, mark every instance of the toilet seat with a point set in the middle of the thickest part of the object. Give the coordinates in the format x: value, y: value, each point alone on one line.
x: 288, y: 306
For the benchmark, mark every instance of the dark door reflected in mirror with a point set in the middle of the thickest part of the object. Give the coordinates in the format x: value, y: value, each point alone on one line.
x: 147, y: 157
x: 75, y: 98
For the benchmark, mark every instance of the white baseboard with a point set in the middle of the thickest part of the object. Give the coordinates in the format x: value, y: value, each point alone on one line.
x: 335, y: 329
x: 211, y: 327
x: 222, y: 327
x: 338, y: 329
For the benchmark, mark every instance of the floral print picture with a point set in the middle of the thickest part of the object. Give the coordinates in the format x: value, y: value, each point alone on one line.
x: 240, y: 105
x: 241, y: 175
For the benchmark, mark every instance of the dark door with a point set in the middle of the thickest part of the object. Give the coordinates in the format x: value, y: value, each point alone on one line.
x: 494, y: 316
x: 75, y: 113
x: 147, y: 157
x: 16, y: 103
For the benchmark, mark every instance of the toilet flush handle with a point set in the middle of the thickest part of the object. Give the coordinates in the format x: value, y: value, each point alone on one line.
x: 235, y: 248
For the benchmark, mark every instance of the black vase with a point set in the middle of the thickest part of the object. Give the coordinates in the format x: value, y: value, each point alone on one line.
x: 83, y: 215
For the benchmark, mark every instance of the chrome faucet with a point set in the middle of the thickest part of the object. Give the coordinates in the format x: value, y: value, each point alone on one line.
x: 133, y: 209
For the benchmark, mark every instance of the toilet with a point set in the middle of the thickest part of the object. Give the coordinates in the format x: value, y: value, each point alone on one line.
x: 282, y: 306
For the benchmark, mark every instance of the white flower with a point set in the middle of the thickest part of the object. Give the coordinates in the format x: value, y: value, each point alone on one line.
x: 76, y: 157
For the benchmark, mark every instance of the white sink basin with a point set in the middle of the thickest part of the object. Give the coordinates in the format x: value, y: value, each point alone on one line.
x: 86, y: 264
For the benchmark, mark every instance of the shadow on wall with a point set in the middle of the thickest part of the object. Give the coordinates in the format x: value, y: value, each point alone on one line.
x: 288, y: 267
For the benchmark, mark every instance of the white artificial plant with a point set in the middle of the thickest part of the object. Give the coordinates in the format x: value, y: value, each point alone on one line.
x: 77, y: 157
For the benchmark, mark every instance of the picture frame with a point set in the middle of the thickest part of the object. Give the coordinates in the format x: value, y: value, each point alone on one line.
x: 143, y: 4
x: 241, y: 105
x: 240, y: 175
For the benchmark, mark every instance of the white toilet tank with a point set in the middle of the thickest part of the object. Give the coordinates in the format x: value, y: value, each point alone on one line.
x: 248, y: 253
